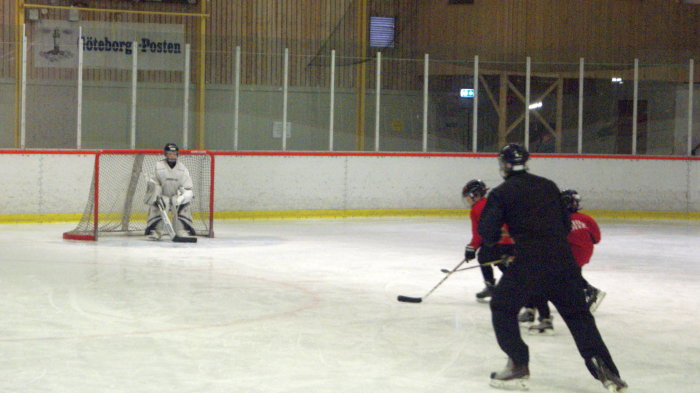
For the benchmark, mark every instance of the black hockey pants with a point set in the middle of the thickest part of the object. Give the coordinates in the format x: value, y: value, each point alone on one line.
x: 563, y: 287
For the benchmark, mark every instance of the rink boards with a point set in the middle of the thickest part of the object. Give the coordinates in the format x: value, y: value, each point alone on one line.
x: 43, y: 186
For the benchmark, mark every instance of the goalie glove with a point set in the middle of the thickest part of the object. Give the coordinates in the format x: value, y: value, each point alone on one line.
x: 469, y: 253
x: 184, y: 197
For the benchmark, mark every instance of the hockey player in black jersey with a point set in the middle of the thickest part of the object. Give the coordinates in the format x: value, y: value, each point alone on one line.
x: 544, y: 266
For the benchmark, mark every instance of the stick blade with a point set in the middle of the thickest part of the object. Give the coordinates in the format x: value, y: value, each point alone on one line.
x: 408, y: 299
x: 186, y: 239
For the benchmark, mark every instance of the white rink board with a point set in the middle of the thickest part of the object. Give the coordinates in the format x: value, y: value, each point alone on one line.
x: 412, y: 182
x: 45, y: 184
x: 694, y: 187
x: 621, y: 184
x: 59, y: 183
x: 254, y: 183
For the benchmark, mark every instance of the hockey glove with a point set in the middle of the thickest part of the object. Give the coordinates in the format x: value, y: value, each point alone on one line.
x: 469, y: 253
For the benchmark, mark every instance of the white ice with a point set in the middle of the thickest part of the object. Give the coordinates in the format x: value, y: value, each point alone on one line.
x: 310, y: 306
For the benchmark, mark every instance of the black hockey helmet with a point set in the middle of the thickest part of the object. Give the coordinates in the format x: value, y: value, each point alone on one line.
x: 171, y: 147
x: 572, y: 200
x: 512, y: 158
x: 168, y: 148
x: 474, y: 188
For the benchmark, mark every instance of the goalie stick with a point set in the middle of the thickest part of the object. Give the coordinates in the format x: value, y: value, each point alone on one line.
x: 170, y: 229
x: 409, y: 299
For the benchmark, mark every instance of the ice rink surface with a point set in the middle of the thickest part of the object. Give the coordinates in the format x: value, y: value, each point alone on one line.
x: 310, y: 306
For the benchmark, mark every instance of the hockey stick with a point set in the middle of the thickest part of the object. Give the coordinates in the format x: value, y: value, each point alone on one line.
x: 169, y: 227
x: 408, y: 299
x: 504, y: 260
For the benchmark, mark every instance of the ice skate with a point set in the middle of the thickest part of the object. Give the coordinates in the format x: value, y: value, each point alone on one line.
x: 156, y: 233
x: 594, y: 297
x: 485, y: 295
x: 526, y: 317
x: 611, y: 381
x: 512, y: 377
x: 180, y: 228
x: 544, y: 328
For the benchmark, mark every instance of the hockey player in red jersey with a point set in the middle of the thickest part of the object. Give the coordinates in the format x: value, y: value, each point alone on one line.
x: 584, y: 235
x: 474, y: 194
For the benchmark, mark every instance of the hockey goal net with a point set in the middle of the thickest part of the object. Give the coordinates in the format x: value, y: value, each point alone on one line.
x: 116, y: 200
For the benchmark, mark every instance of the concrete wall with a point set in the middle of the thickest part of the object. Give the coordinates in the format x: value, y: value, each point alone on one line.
x: 59, y: 183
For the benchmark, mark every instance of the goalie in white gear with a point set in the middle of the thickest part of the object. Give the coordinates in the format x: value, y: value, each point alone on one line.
x: 170, y: 186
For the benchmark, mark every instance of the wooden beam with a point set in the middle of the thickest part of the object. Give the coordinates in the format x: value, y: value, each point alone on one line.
x: 535, y: 113
x: 118, y: 11
x: 489, y: 93
x: 515, y: 124
x: 540, y: 98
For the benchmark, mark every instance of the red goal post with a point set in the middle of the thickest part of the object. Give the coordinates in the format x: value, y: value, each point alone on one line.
x: 116, y: 198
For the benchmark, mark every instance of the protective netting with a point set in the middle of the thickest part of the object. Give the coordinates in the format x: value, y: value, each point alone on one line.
x: 118, y: 189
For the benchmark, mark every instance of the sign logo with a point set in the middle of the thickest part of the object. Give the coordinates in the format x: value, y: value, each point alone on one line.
x: 109, y: 46
x: 56, y: 53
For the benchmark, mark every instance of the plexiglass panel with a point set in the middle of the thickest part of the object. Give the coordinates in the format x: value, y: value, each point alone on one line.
x: 309, y: 102
x: 451, y: 106
x: 52, y: 85
x: 662, y: 104
x: 554, y: 100
x: 8, y: 86
x: 607, y: 108
x: 261, y: 105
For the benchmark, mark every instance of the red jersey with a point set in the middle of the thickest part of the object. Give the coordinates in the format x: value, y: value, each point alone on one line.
x: 475, y: 214
x: 584, y: 234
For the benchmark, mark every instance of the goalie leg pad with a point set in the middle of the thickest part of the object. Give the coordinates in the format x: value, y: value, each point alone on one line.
x: 153, y: 220
x: 184, y: 220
